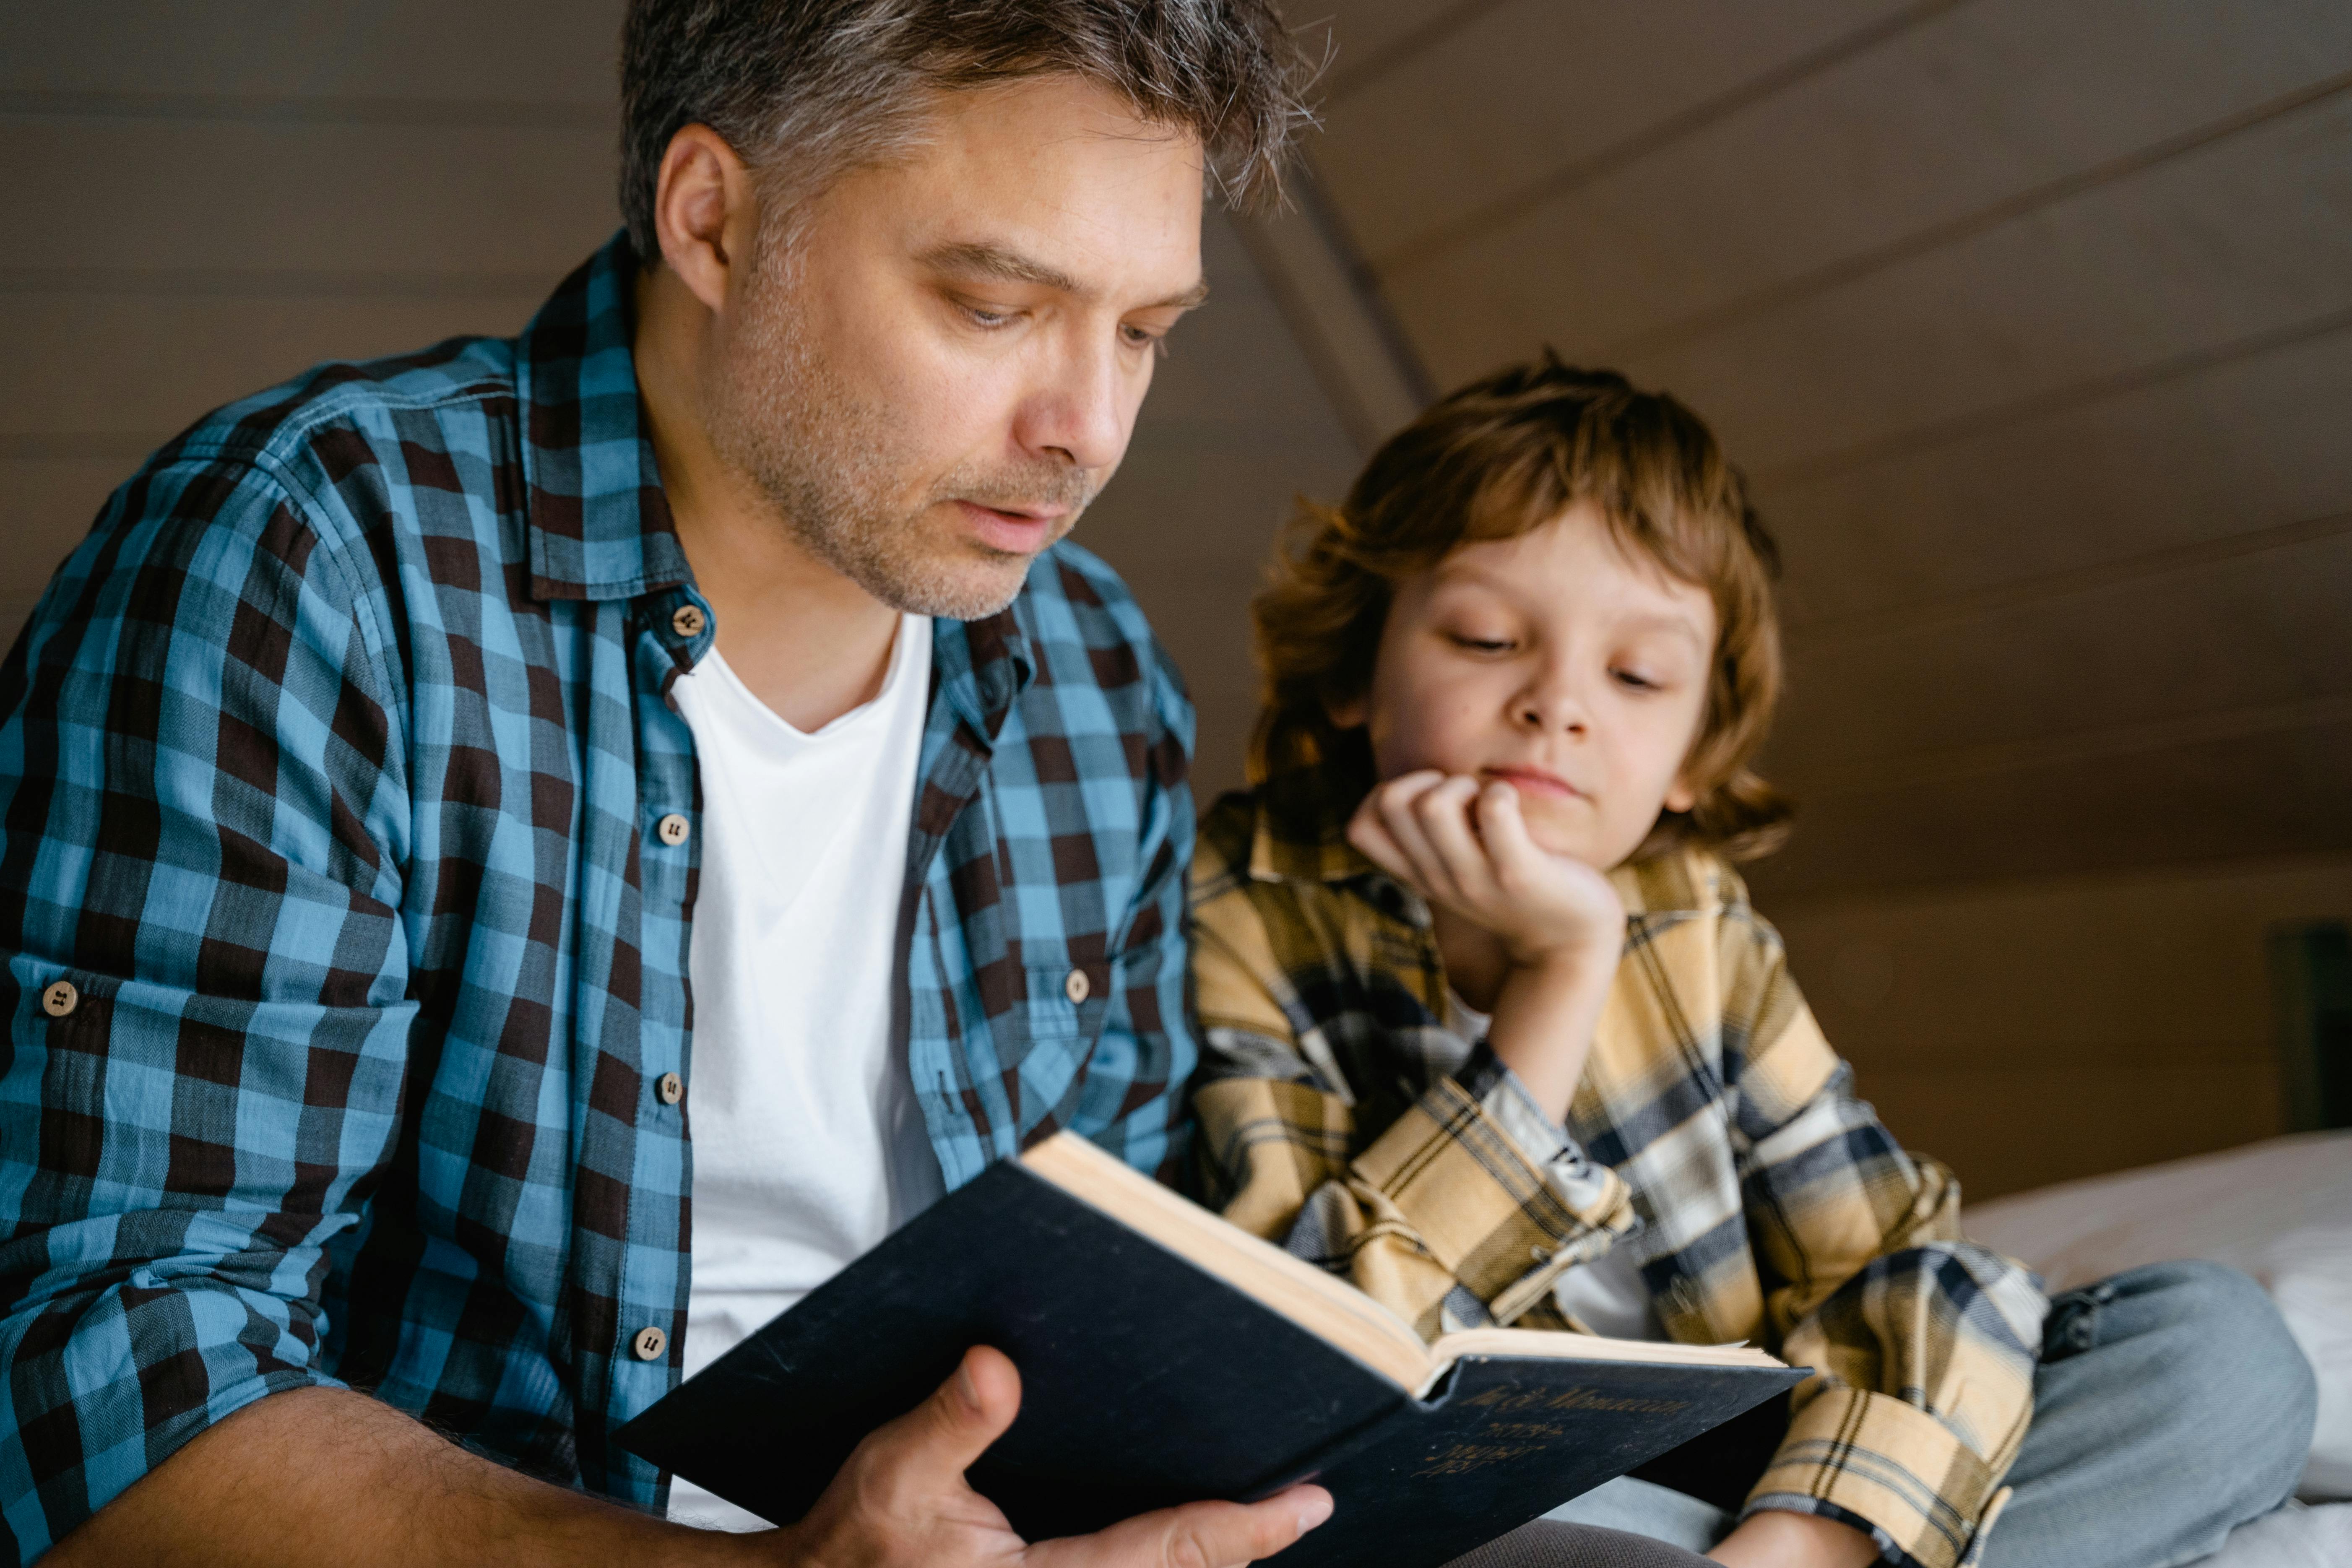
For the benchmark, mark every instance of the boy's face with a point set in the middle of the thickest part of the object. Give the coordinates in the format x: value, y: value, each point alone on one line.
x: 1557, y: 663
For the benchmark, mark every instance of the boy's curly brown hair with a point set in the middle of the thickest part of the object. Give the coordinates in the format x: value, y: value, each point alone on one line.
x: 1495, y: 459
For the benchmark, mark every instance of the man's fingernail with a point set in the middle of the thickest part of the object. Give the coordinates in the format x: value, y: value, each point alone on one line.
x: 966, y: 1389
x: 1313, y: 1511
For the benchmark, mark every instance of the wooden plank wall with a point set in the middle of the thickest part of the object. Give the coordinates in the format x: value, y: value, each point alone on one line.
x: 206, y: 199
x: 2033, y: 324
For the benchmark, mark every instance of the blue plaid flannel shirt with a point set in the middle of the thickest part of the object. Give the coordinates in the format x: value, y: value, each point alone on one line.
x: 329, y: 767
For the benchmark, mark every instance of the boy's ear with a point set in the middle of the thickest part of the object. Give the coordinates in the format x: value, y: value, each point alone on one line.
x: 1681, y: 798
x: 1348, y: 713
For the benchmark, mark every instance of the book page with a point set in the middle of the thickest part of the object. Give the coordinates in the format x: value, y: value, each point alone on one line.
x: 1328, y: 1308
x: 1562, y: 1345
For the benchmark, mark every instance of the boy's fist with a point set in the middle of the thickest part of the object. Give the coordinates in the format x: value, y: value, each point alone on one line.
x: 1465, y: 846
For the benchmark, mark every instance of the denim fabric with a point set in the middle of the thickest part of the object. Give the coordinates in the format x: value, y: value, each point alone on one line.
x: 1544, y: 1544
x: 2170, y: 1406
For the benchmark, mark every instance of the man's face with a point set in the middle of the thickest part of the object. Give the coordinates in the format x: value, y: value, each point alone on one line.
x: 936, y: 381
x: 1555, y: 662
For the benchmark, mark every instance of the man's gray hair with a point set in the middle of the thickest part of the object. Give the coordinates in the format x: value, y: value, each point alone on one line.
x: 805, y: 90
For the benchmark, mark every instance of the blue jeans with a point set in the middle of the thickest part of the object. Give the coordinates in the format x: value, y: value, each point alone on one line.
x: 2171, y: 1407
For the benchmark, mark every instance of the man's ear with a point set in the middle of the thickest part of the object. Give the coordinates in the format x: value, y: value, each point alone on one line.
x: 705, y: 212
x: 1350, y: 713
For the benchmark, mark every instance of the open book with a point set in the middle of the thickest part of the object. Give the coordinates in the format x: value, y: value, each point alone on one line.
x: 1322, y: 1303
x: 1165, y: 1356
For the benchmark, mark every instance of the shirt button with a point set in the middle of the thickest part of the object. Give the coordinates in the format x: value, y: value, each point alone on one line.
x: 649, y: 1344
x: 1076, y: 986
x: 674, y: 829
x: 688, y: 621
x: 671, y: 1088
x: 60, y: 999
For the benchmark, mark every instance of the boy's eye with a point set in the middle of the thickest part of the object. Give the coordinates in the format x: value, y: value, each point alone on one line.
x: 1634, y: 679
x: 1482, y: 645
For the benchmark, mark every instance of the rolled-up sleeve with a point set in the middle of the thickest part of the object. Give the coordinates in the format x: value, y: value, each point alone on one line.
x: 1923, y: 1345
x: 206, y: 975
x: 1466, y: 1208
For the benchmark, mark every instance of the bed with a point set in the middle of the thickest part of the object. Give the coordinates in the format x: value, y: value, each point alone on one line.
x: 2282, y: 1211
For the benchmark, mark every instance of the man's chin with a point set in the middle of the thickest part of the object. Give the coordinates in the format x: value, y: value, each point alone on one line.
x: 963, y: 590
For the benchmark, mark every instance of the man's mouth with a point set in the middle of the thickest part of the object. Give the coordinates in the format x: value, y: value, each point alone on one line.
x: 1016, y: 531
x: 1535, y: 781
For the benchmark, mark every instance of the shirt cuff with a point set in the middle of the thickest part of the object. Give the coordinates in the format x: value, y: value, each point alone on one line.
x: 1887, y: 1468
x: 1496, y: 1192
x: 1584, y: 1186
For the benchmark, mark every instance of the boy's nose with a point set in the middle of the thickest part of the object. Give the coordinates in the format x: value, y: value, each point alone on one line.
x: 1553, y: 705
x: 1553, y: 699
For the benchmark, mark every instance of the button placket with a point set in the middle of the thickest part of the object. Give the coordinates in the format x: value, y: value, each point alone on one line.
x: 670, y: 1088
x: 649, y: 1344
x: 673, y: 829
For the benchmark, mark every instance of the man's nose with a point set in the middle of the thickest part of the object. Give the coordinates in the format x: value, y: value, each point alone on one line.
x: 1083, y: 409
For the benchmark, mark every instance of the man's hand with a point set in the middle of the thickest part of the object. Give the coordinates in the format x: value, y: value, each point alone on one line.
x: 1560, y: 924
x: 1775, y: 1539
x: 902, y: 1500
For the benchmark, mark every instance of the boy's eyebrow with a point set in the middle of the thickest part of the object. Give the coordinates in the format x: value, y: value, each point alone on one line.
x: 1497, y: 582
x: 976, y: 260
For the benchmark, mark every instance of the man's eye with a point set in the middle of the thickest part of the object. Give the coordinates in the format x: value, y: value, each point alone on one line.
x: 983, y: 316
x: 1144, y: 338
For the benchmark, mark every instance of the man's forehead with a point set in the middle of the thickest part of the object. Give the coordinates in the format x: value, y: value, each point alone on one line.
x: 1054, y: 182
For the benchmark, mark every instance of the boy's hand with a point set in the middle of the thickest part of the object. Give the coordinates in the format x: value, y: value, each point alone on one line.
x: 1466, y: 848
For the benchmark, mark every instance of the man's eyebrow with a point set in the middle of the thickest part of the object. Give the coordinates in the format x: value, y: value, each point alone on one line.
x: 994, y: 261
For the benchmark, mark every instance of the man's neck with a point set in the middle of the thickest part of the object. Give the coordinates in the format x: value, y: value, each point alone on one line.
x: 806, y: 640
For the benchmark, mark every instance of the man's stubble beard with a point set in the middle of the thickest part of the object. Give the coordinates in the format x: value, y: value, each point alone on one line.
x: 835, y: 469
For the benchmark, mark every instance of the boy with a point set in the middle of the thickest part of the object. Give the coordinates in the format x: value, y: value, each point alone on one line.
x: 1493, y: 1031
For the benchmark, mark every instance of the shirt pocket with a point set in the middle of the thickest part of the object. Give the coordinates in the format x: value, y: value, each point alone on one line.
x: 1063, y: 1001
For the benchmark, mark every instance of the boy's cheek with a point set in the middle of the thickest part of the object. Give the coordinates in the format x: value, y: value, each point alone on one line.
x: 1556, y: 826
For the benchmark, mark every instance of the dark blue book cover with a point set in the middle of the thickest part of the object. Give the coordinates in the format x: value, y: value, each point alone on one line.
x: 1166, y: 1357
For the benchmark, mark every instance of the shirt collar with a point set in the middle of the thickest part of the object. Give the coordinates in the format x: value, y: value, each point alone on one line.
x: 979, y: 667
x: 1300, y: 834
x: 599, y: 524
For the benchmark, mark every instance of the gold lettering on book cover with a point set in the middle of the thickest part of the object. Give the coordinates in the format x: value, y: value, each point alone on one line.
x: 1463, y: 1457
x: 1510, y: 1398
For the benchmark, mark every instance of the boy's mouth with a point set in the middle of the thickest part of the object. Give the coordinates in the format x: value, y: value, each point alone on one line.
x: 1535, y: 781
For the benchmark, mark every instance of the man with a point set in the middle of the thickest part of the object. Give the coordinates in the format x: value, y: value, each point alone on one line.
x: 369, y: 767
x: 434, y: 780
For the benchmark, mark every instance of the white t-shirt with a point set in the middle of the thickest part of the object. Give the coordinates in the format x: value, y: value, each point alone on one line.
x: 808, y: 1145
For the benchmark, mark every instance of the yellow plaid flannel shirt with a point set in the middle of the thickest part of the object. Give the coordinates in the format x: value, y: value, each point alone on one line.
x: 1715, y: 1135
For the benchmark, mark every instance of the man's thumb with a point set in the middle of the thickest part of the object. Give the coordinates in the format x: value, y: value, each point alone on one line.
x: 948, y: 1431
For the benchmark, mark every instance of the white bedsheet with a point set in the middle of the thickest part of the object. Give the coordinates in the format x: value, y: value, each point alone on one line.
x: 2281, y: 1210
x: 2295, y: 1537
